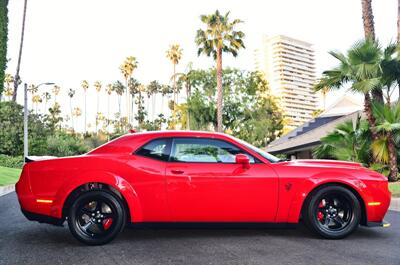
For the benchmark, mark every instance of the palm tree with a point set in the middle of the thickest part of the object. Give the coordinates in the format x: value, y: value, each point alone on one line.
x: 174, y: 54
x: 8, y: 80
x: 97, y: 86
x: 347, y: 142
x: 152, y: 89
x: 369, y: 33
x: 388, y: 119
x: 46, y: 97
x: 109, y: 90
x: 398, y: 22
x: 36, y: 99
x: 56, y: 90
x: 126, y: 69
x: 71, y: 94
x: 185, y: 78
x: 218, y: 37
x: 360, y: 67
x: 368, y: 19
x: 119, y: 88
x: 17, y: 79
x: 85, y: 86
x: 77, y: 113
x: 166, y: 90
x: 33, y: 90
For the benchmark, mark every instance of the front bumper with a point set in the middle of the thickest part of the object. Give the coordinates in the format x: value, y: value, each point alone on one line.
x: 378, y: 224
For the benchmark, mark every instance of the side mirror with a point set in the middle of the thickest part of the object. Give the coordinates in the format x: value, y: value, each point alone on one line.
x: 243, y: 160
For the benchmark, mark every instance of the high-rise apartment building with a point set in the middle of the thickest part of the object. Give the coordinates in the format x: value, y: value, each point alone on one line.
x: 289, y: 66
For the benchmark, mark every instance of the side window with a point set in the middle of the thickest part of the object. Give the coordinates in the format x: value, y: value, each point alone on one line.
x: 157, y: 149
x: 205, y: 151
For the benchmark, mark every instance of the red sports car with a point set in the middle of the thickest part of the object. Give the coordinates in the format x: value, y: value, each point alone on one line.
x: 185, y: 176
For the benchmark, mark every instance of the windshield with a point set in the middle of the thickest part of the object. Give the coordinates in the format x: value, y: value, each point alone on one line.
x: 259, y: 151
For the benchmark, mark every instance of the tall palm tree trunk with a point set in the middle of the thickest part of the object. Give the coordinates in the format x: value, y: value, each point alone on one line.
x: 21, y: 44
x: 371, y: 120
x: 369, y: 33
x: 368, y: 19
x: 398, y: 30
x: 392, y: 157
x: 85, y: 113
x: 187, y: 105
x: 72, y: 114
x: 398, y: 21
x: 175, y: 98
x: 219, y: 90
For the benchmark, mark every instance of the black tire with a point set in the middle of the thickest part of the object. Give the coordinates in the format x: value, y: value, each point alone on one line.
x: 333, y: 212
x: 96, y: 217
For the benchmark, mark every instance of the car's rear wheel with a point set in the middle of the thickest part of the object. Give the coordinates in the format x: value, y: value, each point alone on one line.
x: 333, y: 212
x: 96, y: 217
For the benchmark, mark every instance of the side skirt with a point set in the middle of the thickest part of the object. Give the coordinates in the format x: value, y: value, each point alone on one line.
x: 212, y: 225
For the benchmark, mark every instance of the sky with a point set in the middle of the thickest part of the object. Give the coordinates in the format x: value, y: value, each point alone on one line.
x: 67, y: 41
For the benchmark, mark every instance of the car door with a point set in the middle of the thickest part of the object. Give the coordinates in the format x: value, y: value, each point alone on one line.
x: 147, y: 176
x: 205, y: 184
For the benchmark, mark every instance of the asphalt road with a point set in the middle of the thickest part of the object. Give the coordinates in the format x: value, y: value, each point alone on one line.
x: 25, y: 242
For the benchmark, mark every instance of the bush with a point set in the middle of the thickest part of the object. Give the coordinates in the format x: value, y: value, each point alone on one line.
x: 11, y: 161
x: 63, y: 144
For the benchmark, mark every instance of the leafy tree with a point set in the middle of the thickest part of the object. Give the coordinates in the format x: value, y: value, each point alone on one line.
x: 220, y: 35
x: 347, y: 142
x: 54, y: 119
x: 3, y: 41
x: 154, y: 125
x: 12, y: 134
x: 384, y: 148
x: 360, y: 67
x: 249, y: 113
x: 63, y: 144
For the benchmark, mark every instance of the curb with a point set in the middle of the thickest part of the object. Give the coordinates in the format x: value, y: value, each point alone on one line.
x: 395, y: 204
x: 6, y: 189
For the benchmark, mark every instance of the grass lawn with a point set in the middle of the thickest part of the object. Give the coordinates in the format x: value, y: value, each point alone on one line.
x: 394, y: 188
x: 9, y: 175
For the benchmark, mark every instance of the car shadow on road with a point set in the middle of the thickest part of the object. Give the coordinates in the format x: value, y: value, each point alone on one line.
x: 60, y: 235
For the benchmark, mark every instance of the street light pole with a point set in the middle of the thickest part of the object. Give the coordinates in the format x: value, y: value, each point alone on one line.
x: 26, y: 116
x: 25, y: 120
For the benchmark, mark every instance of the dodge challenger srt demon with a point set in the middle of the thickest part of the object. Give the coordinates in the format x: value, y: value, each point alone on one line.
x: 187, y: 177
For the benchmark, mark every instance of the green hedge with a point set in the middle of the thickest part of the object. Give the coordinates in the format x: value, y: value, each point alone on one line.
x: 11, y: 161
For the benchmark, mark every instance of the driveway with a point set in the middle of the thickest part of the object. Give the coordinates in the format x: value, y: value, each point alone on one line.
x: 24, y: 242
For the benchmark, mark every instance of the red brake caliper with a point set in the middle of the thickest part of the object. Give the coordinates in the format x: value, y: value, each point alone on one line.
x: 107, y: 223
x: 321, y: 215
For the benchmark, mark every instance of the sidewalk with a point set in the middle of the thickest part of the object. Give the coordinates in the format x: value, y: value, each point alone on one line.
x: 395, y: 204
x: 6, y: 189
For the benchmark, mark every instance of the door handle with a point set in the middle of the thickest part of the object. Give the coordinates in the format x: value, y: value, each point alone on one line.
x: 177, y: 171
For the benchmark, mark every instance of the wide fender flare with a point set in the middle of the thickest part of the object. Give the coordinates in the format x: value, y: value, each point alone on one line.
x: 117, y: 182
x: 317, y: 180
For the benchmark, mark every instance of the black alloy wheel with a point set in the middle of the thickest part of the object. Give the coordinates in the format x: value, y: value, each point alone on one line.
x: 333, y: 212
x: 96, y: 217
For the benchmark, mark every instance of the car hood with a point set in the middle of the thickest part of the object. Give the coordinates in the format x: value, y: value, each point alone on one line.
x: 323, y: 163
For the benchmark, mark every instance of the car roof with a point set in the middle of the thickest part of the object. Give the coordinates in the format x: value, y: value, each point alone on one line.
x: 172, y: 133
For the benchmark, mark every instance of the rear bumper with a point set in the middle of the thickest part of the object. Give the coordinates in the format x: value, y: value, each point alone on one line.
x: 42, y: 218
x: 378, y: 224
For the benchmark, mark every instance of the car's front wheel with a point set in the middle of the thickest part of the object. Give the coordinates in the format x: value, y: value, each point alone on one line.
x: 96, y: 217
x: 333, y: 212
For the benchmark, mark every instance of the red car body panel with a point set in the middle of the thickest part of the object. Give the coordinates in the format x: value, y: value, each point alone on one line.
x: 159, y: 191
